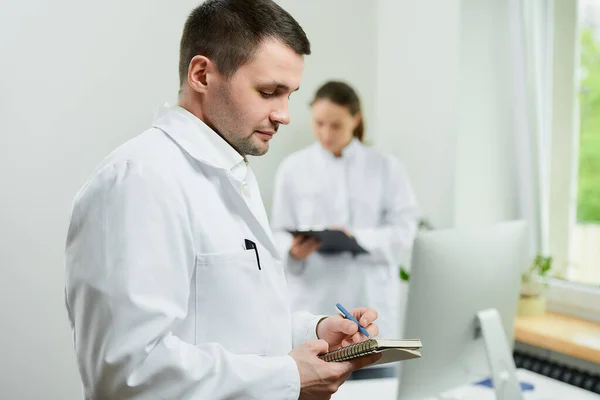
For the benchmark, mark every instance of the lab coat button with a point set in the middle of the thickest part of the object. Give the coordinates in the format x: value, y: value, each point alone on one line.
x: 245, y: 190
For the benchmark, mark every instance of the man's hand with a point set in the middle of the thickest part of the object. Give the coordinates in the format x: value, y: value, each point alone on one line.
x: 303, y: 246
x: 340, y: 332
x: 320, y: 379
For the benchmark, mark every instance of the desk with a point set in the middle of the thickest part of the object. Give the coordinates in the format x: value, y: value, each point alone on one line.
x: 563, y: 334
x: 386, y: 389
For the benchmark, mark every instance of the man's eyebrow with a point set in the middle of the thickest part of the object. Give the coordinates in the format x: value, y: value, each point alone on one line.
x: 281, y: 86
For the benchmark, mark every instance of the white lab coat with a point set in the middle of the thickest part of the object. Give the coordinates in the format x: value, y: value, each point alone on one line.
x: 369, y: 193
x: 163, y: 297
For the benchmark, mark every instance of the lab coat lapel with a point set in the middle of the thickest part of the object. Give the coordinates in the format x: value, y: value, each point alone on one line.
x: 257, y: 221
x: 207, y: 147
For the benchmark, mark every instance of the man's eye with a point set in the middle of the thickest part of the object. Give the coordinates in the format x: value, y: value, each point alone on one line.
x: 266, y: 95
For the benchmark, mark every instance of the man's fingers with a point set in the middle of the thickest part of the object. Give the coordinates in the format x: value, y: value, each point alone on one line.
x: 361, y: 362
x: 319, y: 346
x: 373, y: 330
x: 365, y: 316
x: 349, y: 327
x: 340, y: 324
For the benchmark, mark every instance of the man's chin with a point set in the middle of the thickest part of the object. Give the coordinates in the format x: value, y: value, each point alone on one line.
x: 263, y: 150
x: 258, y: 149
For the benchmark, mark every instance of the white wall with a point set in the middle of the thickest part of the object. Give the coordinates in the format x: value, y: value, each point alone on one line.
x: 444, y: 105
x: 76, y: 79
x: 417, y: 80
x: 486, y: 190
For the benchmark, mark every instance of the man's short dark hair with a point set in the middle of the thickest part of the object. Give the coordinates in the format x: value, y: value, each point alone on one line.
x: 229, y: 32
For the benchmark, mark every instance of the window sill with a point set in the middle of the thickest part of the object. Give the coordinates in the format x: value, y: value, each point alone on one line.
x: 578, y: 300
x: 575, y: 337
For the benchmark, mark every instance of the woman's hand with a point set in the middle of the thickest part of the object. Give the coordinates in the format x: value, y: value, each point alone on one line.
x: 303, y: 246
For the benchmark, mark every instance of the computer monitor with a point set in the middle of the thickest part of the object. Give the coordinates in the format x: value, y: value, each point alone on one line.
x: 455, y: 275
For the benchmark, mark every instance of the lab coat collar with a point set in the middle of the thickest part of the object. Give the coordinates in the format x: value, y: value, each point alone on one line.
x: 205, y: 145
x: 352, y: 148
x: 199, y: 140
x: 348, y: 152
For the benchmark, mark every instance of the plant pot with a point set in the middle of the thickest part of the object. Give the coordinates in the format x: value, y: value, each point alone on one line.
x: 530, y: 306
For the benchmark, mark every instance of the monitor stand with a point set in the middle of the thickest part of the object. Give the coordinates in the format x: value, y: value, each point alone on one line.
x: 499, y: 355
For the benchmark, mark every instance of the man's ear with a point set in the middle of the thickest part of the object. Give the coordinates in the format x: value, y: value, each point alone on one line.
x: 199, y: 73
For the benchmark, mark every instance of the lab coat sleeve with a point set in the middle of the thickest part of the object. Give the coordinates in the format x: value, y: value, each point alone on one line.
x: 304, y: 327
x: 130, y: 259
x: 282, y: 218
x: 392, y: 240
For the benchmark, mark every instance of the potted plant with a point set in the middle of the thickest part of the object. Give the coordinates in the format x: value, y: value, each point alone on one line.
x: 534, y: 281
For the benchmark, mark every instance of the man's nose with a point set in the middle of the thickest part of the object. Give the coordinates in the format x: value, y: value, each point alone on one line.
x: 281, y: 115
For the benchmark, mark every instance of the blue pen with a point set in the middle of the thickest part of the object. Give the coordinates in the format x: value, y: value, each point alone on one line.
x: 351, y: 318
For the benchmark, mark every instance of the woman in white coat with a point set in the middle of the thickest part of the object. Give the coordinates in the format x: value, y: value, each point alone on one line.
x: 340, y: 183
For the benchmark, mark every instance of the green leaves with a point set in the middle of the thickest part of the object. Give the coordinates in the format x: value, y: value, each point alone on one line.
x: 404, y: 275
x: 540, y: 266
x: 534, y: 280
x: 588, y: 188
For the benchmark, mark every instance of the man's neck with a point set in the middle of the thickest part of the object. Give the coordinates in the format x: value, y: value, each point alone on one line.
x: 194, y: 107
x: 191, y: 106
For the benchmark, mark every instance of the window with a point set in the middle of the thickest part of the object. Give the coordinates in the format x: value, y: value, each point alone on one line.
x: 574, y: 195
x: 584, y: 265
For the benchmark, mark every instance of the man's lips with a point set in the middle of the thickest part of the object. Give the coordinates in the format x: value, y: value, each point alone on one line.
x: 266, y: 134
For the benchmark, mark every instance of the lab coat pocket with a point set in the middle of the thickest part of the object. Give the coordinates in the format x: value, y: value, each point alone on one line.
x: 229, y: 301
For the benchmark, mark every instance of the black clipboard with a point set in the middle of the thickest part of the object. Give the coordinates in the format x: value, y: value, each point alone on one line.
x: 333, y: 241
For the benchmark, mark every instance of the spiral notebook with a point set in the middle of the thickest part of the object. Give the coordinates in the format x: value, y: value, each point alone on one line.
x: 393, y: 350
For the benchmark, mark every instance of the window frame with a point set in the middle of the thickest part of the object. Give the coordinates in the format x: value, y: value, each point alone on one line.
x: 565, y: 296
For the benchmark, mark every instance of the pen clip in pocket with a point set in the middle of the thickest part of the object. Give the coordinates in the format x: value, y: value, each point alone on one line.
x: 251, y: 245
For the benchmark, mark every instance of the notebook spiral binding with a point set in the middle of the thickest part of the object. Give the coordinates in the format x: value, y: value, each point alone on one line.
x: 351, y: 351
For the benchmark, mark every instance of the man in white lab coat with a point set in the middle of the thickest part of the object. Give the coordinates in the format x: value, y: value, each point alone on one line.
x: 174, y: 286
